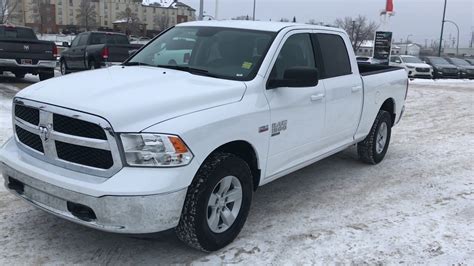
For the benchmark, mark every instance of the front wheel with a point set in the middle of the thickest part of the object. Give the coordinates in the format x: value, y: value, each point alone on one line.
x: 373, y: 148
x: 217, y: 203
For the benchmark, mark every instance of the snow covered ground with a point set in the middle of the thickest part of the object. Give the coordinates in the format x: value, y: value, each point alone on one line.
x: 416, y: 207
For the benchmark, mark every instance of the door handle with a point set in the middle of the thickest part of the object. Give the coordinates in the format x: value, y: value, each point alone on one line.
x: 356, y: 88
x: 317, y: 97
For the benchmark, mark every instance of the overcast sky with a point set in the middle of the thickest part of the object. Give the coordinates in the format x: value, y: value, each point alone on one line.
x: 421, y: 18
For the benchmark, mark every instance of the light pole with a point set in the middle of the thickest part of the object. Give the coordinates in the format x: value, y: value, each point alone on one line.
x: 406, y: 44
x: 442, y: 28
x: 201, y: 9
x: 457, y: 42
x: 254, y: 8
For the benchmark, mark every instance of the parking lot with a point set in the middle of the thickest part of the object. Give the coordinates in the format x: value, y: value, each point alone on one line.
x: 415, y: 207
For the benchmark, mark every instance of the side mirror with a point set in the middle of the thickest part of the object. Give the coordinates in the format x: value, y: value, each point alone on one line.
x: 296, y: 77
x: 66, y: 44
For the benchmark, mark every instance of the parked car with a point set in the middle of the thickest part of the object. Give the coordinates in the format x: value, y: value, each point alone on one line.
x: 143, y: 148
x: 22, y: 53
x: 466, y: 70
x: 92, y: 50
x: 413, y: 65
x: 470, y: 61
x: 367, y: 60
x: 442, y: 68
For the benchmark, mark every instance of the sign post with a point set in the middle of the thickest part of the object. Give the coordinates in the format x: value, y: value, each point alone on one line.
x: 383, y: 46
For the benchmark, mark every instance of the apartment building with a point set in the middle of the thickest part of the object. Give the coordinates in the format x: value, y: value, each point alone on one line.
x: 53, y: 16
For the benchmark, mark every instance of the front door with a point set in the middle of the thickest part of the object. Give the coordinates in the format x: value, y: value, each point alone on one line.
x: 297, y: 114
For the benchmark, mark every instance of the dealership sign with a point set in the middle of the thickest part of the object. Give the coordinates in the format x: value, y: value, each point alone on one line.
x: 383, y: 46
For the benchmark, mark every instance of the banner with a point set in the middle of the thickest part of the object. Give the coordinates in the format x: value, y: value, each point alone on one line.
x: 383, y: 46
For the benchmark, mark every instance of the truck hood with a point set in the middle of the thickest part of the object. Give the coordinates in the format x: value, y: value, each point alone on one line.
x: 134, y: 98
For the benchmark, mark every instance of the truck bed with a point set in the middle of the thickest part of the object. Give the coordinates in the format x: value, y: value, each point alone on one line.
x: 367, y: 70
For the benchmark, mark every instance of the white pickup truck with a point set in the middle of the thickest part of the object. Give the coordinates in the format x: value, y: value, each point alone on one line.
x: 145, y: 147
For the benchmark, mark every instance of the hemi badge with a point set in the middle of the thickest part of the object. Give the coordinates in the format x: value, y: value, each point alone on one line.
x: 263, y: 129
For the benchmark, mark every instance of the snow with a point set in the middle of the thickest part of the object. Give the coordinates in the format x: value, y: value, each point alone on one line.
x: 416, y: 207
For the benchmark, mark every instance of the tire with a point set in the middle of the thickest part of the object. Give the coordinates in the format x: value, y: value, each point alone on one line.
x: 63, y: 67
x: 195, y: 227
x: 46, y: 75
x: 19, y: 75
x: 92, y: 65
x: 371, y: 150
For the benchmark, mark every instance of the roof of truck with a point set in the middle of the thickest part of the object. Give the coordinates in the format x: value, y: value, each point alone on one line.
x: 255, y: 25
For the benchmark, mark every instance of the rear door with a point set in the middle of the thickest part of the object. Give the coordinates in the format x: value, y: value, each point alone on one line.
x: 297, y: 114
x: 344, y: 90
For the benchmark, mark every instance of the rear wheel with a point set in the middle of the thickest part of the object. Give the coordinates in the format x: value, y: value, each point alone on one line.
x: 19, y: 75
x: 46, y: 75
x: 373, y: 148
x: 217, y: 203
x: 92, y: 64
x: 63, y: 67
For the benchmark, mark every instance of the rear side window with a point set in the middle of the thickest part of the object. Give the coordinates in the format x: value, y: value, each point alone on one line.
x: 117, y: 39
x: 17, y: 33
x: 334, y: 55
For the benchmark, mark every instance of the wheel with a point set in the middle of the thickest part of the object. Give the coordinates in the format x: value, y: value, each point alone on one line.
x: 63, y: 67
x: 46, y: 75
x: 217, y: 203
x: 373, y: 148
x: 92, y: 64
x: 19, y: 75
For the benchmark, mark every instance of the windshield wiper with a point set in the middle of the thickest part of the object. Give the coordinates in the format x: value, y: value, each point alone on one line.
x: 137, y: 64
x: 191, y: 70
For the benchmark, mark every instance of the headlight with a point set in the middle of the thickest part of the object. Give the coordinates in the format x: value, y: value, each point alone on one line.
x: 155, y: 150
x: 410, y: 66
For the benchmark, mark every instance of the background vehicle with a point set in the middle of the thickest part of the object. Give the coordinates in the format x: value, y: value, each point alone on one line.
x: 91, y: 50
x: 366, y: 60
x: 470, y: 61
x: 413, y: 65
x: 466, y: 70
x: 149, y: 147
x: 442, y: 68
x: 21, y: 53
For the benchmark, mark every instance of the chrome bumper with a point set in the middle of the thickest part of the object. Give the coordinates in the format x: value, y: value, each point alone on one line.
x: 41, y: 64
x: 118, y: 214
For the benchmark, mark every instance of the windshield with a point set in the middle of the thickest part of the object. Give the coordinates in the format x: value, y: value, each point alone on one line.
x: 219, y: 52
x: 459, y: 62
x: 413, y: 60
x: 439, y: 60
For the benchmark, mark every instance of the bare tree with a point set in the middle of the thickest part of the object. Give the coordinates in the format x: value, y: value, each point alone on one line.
x: 130, y: 21
x: 359, y: 29
x: 40, y: 10
x: 7, y: 10
x: 162, y: 21
x: 86, y: 14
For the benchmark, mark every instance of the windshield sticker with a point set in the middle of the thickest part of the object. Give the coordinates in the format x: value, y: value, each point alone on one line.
x: 247, y: 65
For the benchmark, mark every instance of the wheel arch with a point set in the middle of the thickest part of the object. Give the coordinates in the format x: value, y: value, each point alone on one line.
x: 389, y: 106
x: 246, y: 152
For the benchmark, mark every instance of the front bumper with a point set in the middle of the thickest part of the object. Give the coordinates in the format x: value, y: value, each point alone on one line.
x: 134, y: 200
x: 118, y: 214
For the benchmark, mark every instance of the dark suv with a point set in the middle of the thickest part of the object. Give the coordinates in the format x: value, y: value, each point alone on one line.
x: 442, y: 68
x: 466, y: 69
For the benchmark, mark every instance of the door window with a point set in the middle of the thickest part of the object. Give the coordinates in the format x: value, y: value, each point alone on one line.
x: 75, y: 41
x: 334, y: 55
x: 296, y: 52
x: 83, y: 40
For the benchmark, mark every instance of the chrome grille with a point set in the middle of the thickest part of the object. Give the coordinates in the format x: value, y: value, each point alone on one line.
x: 67, y: 138
x: 422, y: 69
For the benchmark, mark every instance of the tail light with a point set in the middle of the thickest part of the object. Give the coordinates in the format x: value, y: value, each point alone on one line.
x: 55, y: 51
x: 105, y: 53
x: 406, y: 92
